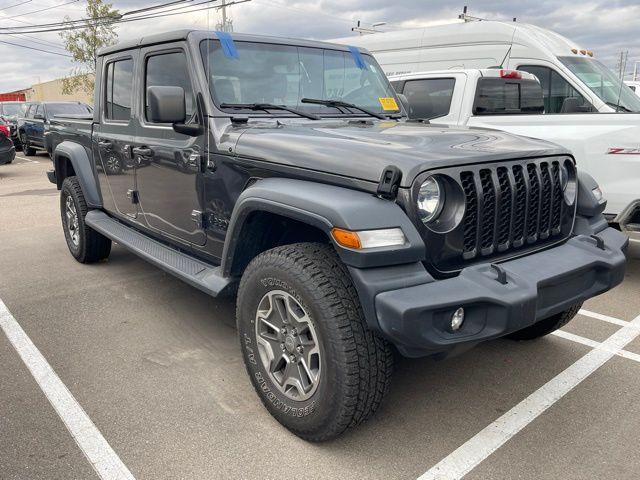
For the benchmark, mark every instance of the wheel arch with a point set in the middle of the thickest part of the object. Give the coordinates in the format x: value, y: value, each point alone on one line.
x: 296, y: 210
x: 70, y: 159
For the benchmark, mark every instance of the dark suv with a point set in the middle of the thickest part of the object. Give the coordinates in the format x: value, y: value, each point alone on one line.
x: 286, y: 172
x: 37, y: 123
x: 9, y: 114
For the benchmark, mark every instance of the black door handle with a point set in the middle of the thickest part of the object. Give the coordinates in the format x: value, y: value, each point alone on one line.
x: 143, y: 151
x: 104, y: 143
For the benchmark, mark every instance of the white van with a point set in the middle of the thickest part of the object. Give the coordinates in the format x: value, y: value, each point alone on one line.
x: 572, y: 78
x: 512, y: 101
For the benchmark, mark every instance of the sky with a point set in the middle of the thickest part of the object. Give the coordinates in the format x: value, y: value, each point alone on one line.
x: 606, y: 27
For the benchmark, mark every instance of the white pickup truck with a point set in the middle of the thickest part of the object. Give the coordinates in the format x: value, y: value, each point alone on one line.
x: 607, y: 146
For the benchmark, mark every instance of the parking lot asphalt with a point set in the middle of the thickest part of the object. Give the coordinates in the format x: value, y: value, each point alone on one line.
x: 156, y: 366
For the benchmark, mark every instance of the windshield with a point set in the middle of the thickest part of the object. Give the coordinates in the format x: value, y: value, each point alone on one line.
x: 54, y: 109
x: 603, y: 83
x: 285, y: 74
x: 10, y: 109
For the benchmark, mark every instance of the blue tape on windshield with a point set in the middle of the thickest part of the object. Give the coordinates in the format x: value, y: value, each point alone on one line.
x: 357, y: 57
x: 228, y: 47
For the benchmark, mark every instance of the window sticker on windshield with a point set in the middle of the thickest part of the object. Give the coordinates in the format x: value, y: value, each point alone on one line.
x: 388, y: 103
x: 228, y: 47
x: 357, y: 57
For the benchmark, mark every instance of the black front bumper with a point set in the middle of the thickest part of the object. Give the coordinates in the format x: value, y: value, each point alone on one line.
x: 417, y: 319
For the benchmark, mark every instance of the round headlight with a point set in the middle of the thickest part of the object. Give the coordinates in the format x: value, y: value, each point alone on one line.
x: 430, y: 200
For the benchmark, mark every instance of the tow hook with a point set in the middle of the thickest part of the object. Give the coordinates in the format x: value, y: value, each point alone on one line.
x: 502, y: 274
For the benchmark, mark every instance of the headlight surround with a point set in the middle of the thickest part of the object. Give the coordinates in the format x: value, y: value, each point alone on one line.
x: 430, y: 200
x: 569, y: 182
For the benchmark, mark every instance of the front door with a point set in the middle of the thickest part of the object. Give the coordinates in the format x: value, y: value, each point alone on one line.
x: 169, y: 163
x: 114, y: 135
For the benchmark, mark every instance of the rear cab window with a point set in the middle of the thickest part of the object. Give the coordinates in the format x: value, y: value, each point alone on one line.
x: 118, y: 91
x: 500, y: 96
x: 429, y: 98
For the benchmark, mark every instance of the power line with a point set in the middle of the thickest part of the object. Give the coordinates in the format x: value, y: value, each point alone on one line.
x: 38, y: 41
x: 41, y: 10
x: 36, y: 49
x: 15, y: 5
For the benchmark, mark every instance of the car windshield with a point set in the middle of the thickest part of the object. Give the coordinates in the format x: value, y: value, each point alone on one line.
x: 10, y: 109
x: 54, y: 109
x: 603, y: 83
x: 284, y: 75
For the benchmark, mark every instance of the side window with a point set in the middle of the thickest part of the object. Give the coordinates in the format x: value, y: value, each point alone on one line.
x: 430, y: 98
x: 559, y: 95
x: 118, y: 90
x: 170, y: 70
x: 39, y: 110
x: 397, y: 85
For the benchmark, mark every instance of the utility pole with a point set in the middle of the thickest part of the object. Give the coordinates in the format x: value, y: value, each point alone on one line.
x: 622, y: 63
x: 226, y: 25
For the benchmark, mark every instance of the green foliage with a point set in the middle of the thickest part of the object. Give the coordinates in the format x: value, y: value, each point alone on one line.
x: 83, y: 43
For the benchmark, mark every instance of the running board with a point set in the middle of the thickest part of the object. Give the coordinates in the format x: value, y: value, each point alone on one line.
x: 207, y: 278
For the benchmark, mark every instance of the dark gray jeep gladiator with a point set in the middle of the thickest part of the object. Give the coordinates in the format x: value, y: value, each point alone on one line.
x: 286, y: 172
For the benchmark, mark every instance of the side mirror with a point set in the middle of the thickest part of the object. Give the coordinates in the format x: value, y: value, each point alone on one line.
x: 166, y: 104
x: 38, y: 116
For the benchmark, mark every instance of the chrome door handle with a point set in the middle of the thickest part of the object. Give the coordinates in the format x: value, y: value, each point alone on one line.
x: 104, y: 143
x: 143, y: 151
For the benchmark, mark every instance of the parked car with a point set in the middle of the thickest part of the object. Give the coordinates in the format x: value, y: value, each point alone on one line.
x: 512, y: 101
x: 37, y: 122
x: 572, y: 78
x: 343, y: 227
x: 7, y: 150
x: 9, y: 113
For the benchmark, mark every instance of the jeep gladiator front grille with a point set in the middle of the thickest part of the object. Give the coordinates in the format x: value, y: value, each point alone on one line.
x: 510, y: 208
x: 504, y: 201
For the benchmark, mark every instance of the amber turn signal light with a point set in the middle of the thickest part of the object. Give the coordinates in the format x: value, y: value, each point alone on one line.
x: 346, y: 238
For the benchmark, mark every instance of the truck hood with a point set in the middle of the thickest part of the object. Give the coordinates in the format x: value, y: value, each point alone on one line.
x: 362, y: 150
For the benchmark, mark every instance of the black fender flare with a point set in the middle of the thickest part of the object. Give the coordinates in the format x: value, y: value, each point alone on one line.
x: 83, y: 168
x: 325, y: 207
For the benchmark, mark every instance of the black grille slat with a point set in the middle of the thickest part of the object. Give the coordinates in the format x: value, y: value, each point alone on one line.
x: 508, y: 207
x: 545, y: 204
x: 520, y: 207
x: 534, y: 202
x: 556, y: 208
x: 505, y: 208
x: 470, y: 223
x: 487, y: 225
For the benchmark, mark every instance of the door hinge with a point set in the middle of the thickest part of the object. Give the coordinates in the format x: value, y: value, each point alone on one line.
x: 389, y: 182
x: 133, y: 196
x: 199, y: 219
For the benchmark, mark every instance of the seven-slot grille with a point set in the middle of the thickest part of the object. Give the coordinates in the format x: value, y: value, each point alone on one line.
x: 511, y: 206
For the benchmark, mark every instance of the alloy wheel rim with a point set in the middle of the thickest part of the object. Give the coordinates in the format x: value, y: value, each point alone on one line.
x: 288, y: 345
x: 72, y: 221
x: 113, y: 163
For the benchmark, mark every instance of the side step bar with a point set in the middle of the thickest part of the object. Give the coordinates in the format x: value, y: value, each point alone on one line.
x: 207, y: 278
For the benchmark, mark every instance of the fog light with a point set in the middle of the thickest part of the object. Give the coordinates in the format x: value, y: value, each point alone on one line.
x: 457, y: 319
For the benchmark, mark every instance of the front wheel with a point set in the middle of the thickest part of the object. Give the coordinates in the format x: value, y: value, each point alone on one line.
x: 546, y: 326
x: 314, y: 363
x: 27, y: 149
x: 85, y: 244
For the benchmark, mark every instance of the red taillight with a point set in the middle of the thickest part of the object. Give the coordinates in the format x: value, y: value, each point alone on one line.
x: 510, y: 74
x: 4, y: 130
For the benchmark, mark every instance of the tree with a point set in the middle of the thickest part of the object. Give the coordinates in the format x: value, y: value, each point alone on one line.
x: 83, y: 43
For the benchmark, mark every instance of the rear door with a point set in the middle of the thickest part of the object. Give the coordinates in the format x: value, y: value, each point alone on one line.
x: 114, y: 135
x: 169, y: 162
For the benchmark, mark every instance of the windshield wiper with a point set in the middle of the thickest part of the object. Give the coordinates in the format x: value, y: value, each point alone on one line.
x: 618, y: 107
x: 269, y: 106
x: 340, y: 103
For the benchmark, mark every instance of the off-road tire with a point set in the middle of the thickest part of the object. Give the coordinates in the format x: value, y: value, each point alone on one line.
x: 546, y: 326
x: 356, y: 362
x: 27, y: 149
x: 92, y: 246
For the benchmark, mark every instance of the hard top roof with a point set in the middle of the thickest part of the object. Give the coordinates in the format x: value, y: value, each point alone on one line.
x: 178, y: 35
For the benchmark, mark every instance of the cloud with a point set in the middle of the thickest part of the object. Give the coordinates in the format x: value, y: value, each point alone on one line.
x: 605, y: 27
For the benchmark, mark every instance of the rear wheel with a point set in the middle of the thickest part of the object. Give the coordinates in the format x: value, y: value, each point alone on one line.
x: 546, y: 326
x: 27, y: 149
x: 314, y: 363
x: 85, y: 244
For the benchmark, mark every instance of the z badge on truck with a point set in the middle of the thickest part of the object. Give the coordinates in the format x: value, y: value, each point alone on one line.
x: 623, y: 151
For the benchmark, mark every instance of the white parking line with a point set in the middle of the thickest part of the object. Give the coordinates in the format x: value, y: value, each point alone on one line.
x: 469, y: 455
x: 593, y: 344
x: 104, y: 460
x: 27, y: 159
x: 604, y: 318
